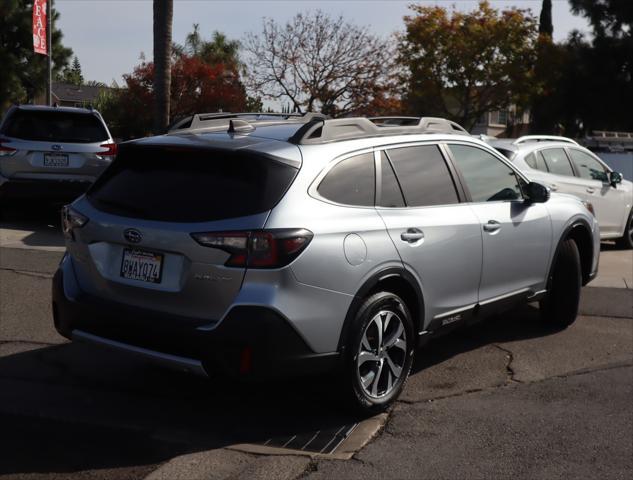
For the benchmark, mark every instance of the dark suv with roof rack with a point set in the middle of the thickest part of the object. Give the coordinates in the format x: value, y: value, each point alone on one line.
x: 261, y: 245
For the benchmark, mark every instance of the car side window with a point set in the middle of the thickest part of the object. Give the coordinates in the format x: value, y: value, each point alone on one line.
x: 390, y: 193
x: 351, y: 181
x: 487, y: 177
x: 588, y: 167
x: 557, y: 161
x: 536, y: 161
x: 423, y: 176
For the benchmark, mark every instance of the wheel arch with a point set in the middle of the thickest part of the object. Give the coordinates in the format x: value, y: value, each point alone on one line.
x: 395, y: 280
x: 580, y: 232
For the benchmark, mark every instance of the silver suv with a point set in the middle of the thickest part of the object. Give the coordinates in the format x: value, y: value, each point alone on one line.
x: 261, y: 246
x: 564, y: 166
x: 52, y: 151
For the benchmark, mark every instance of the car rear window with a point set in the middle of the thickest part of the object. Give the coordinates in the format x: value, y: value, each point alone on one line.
x: 184, y: 185
x: 55, y: 126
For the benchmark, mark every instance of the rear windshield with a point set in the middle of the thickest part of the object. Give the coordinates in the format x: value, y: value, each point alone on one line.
x: 184, y: 185
x: 55, y: 126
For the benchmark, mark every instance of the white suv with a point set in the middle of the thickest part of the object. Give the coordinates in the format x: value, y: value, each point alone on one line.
x: 566, y: 167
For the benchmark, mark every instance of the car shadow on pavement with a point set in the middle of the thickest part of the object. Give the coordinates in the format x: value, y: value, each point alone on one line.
x: 75, y: 407
x: 518, y: 324
x: 42, y: 222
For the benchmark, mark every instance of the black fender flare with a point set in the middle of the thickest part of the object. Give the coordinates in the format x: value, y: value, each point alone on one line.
x: 575, y: 224
x: 369, y: 285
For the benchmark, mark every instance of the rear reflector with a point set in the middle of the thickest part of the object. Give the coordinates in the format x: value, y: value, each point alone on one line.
x: 259, y: 248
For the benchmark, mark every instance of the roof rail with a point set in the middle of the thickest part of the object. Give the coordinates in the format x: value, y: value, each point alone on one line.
x: 543, y: 138
x: 331, y: 130
x: 220, y: 120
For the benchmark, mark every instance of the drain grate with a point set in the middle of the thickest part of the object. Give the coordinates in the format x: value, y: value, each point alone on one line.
x: 319, y: 441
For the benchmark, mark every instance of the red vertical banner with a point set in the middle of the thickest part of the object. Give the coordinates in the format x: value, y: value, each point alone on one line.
x: 39, y: 27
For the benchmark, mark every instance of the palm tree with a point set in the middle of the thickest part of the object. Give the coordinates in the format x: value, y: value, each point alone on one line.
x: 220, y: 50
x: 163, y: 16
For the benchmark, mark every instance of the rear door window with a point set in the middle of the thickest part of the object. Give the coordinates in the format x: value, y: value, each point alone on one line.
x: 55, y: 126
x: 536, y: 161
x: 557, y: 161
x: 588, y: 167
x: 351, y: 181
x: 423, y: 176
x: 390, y: 192
x: 185, y: 185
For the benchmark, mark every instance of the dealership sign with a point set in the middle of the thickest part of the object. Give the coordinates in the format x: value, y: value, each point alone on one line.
x: 39, y: 27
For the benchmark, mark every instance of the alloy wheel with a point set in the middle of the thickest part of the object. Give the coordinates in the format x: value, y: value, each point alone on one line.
x: 382, y: 354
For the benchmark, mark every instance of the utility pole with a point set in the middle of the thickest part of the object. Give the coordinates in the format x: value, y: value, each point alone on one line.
x: 49, y: 57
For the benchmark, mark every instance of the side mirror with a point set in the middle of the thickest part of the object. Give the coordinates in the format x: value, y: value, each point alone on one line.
x: 615, y: 178
x: 537, y: 193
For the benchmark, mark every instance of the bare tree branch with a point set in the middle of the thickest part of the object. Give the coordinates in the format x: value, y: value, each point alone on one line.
x: 319, y: 63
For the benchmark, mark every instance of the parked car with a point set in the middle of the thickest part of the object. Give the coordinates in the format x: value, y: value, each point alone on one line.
x: 302, y: 244
x: 52, y: 151
x: 566, y: 167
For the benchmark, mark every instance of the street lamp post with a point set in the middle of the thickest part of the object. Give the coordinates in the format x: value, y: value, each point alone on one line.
x: 49, y: 46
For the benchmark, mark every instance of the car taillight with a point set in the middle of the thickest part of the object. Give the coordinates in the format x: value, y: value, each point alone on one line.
x: 259, y: 248
x: 111, y: 149
x: 4, y: 150
x: 72, y: 219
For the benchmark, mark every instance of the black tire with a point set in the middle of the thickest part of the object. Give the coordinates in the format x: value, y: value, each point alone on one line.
x: 371, y: 309
x: 560, y: 307
x: 626, y: 242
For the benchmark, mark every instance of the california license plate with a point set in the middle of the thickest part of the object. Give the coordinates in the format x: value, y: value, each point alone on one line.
x: 55, y: 160
x: 141, y: 265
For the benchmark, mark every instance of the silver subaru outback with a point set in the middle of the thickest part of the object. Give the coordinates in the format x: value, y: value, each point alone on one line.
x: 259, y: 246
x: 52, y: 152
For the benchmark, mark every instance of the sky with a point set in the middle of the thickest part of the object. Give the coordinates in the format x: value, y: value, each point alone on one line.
x: 108, y: 36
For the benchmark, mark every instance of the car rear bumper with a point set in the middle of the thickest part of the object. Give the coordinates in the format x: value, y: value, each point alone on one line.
x: 250, y: 342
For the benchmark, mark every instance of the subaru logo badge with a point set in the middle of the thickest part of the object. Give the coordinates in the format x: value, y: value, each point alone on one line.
x: 132, y: 235
x: 57, y: 147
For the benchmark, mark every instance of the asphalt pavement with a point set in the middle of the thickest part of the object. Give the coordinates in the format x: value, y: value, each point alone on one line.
x: 509, y: 398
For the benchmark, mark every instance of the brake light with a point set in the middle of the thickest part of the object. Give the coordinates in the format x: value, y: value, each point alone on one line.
x: 111, y: 149
x: 4, y: 150
x: 259, y: 248
x: 72, y: 219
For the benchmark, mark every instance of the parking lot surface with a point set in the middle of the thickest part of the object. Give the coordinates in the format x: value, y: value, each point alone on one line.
x: 511, y: 397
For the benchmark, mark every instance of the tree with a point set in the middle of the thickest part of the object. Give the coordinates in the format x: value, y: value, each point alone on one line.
x: 545, y: 25
x: 73, y: 73
x: 23, y: 72
x: 462, y: 65
x: 318, y: 63
x: 212, y: 52
x: 609, y: 18
x: 163, y: 17
x: 195, y: 87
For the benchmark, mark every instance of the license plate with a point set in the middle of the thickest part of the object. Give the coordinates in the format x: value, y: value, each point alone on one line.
x: 55, y: 160
x: 141, y: 265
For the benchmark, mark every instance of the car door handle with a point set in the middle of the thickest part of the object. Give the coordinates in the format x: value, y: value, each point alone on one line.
x: 412, y: 235
x: 553, y: 186
x: 492, y: 226
x: 590, y: 190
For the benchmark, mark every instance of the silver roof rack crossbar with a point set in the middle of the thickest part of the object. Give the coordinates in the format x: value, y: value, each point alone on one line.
x: 326, y: 130
x: 220, y: 120
x: 543, y: 138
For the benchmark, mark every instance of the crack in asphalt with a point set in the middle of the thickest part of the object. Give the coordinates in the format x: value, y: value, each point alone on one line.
x: 27, y: 273
x: 509, y: 370
x: 29, y: 342
x: 575, y: 373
